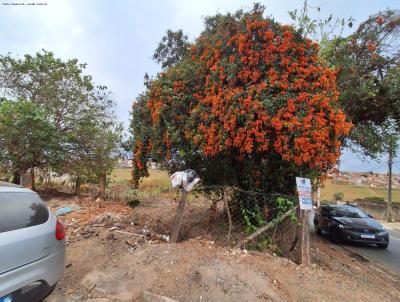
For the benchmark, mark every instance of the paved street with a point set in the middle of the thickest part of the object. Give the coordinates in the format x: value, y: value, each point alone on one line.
x: 389, y: 257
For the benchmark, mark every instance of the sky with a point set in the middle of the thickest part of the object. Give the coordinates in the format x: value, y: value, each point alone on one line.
x: 117, y: 38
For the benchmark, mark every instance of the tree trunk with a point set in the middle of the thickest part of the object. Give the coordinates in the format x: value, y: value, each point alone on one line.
x: 389, y: 192
x: 102, y: 186
x: 77, y: 188
x: 178, y: 217
x: 32, y: 173
x: 16, y: 177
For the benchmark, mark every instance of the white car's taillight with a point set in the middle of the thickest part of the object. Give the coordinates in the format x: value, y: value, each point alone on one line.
x: 60, y: 230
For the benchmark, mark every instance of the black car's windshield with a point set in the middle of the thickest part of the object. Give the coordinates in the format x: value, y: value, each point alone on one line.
x: 348, y: 212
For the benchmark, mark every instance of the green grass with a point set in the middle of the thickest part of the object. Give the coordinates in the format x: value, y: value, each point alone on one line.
x: 352, y: 192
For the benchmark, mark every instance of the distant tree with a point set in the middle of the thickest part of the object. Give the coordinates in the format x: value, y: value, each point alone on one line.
x: 76, y: 108
x: 173, y: 49
x: 319, y: 29
x: 105, y: 153
x: 368, y: 64
x: 364, y: 62
x: 368, y: 78
x: 27, y: 139
x: 58, y: 86
x: 379, y: 140
x: 93, y: 147
x: 338, y: 196
x: 392, y: 82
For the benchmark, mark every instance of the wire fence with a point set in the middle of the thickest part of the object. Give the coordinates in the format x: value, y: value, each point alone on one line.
x: 234, y: 214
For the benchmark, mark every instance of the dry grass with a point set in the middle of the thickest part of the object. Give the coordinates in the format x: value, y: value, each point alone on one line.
x: 158, y: 180
x: 121, y: 175
x: 157, y: 185
x: 352, y: 192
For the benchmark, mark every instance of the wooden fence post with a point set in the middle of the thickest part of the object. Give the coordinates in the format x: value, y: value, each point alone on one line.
x: 229, y: 214
x: 304, y: 236
x: 178, y: 217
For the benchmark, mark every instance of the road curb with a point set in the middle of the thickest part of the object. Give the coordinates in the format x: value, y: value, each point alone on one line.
x: 354, y: 253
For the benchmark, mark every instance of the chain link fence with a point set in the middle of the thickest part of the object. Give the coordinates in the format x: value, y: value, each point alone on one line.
x: 227, y: 216
x: 230, y: 214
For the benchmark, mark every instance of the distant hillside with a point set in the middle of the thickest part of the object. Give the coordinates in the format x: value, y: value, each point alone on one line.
x: 352, y: 191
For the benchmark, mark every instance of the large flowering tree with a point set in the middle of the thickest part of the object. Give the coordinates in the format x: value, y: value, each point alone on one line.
x: 251, y: 105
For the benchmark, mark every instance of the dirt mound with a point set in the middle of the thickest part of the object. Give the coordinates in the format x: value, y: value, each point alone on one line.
x: 198, y: 270
x: 118, y: 262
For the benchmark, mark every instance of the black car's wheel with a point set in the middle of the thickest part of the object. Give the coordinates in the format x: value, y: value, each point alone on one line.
x: 334, y: 236
x: 383, y: 245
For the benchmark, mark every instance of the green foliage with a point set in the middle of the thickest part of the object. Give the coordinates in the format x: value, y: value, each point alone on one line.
x: 374, y: 198
x: 367, y: 62
x: 322, y: 30
x: 66, y: 122
x: 253, y: 218
x: 378, y: 139
x: 284, y: 204
x: 338, y: 196
x: 133, y: 203
x: 219, y: 112
x: 27, y: 138
x: 173, y: 49
x: 262, y: 243
x: 364, y: 61
x: 57, y: 86
x: 368, y: 78
x: 132, y: 198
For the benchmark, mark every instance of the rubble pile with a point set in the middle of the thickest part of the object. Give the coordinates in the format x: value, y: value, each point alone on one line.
x: 114, y: 224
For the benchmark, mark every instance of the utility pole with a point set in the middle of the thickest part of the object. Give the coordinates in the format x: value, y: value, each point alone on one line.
x: 389, y: 193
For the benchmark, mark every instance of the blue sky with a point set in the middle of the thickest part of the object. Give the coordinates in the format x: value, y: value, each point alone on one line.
x: 117, y: 37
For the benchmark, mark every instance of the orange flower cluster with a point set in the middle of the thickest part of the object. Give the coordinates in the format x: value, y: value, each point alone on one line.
x: 138, y: 152
x: 259, y: 87
x: 371, y: 46
x: 280, y: 95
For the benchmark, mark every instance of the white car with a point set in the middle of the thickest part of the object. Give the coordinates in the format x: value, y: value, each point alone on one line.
x: 32, y: 246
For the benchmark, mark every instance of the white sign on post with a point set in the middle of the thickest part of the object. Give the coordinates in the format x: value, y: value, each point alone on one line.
x: 304, y: 191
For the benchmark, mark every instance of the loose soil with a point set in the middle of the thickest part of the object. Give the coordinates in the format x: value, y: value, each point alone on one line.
x: 114, y: 253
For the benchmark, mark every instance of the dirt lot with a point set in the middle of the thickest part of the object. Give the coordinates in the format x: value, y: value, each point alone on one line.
x: 114, y: 253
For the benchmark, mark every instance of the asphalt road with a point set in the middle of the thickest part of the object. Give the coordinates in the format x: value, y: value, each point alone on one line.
x: 389, y: 257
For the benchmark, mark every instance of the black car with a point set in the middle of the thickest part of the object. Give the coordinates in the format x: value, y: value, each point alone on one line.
x: 349, y: 223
